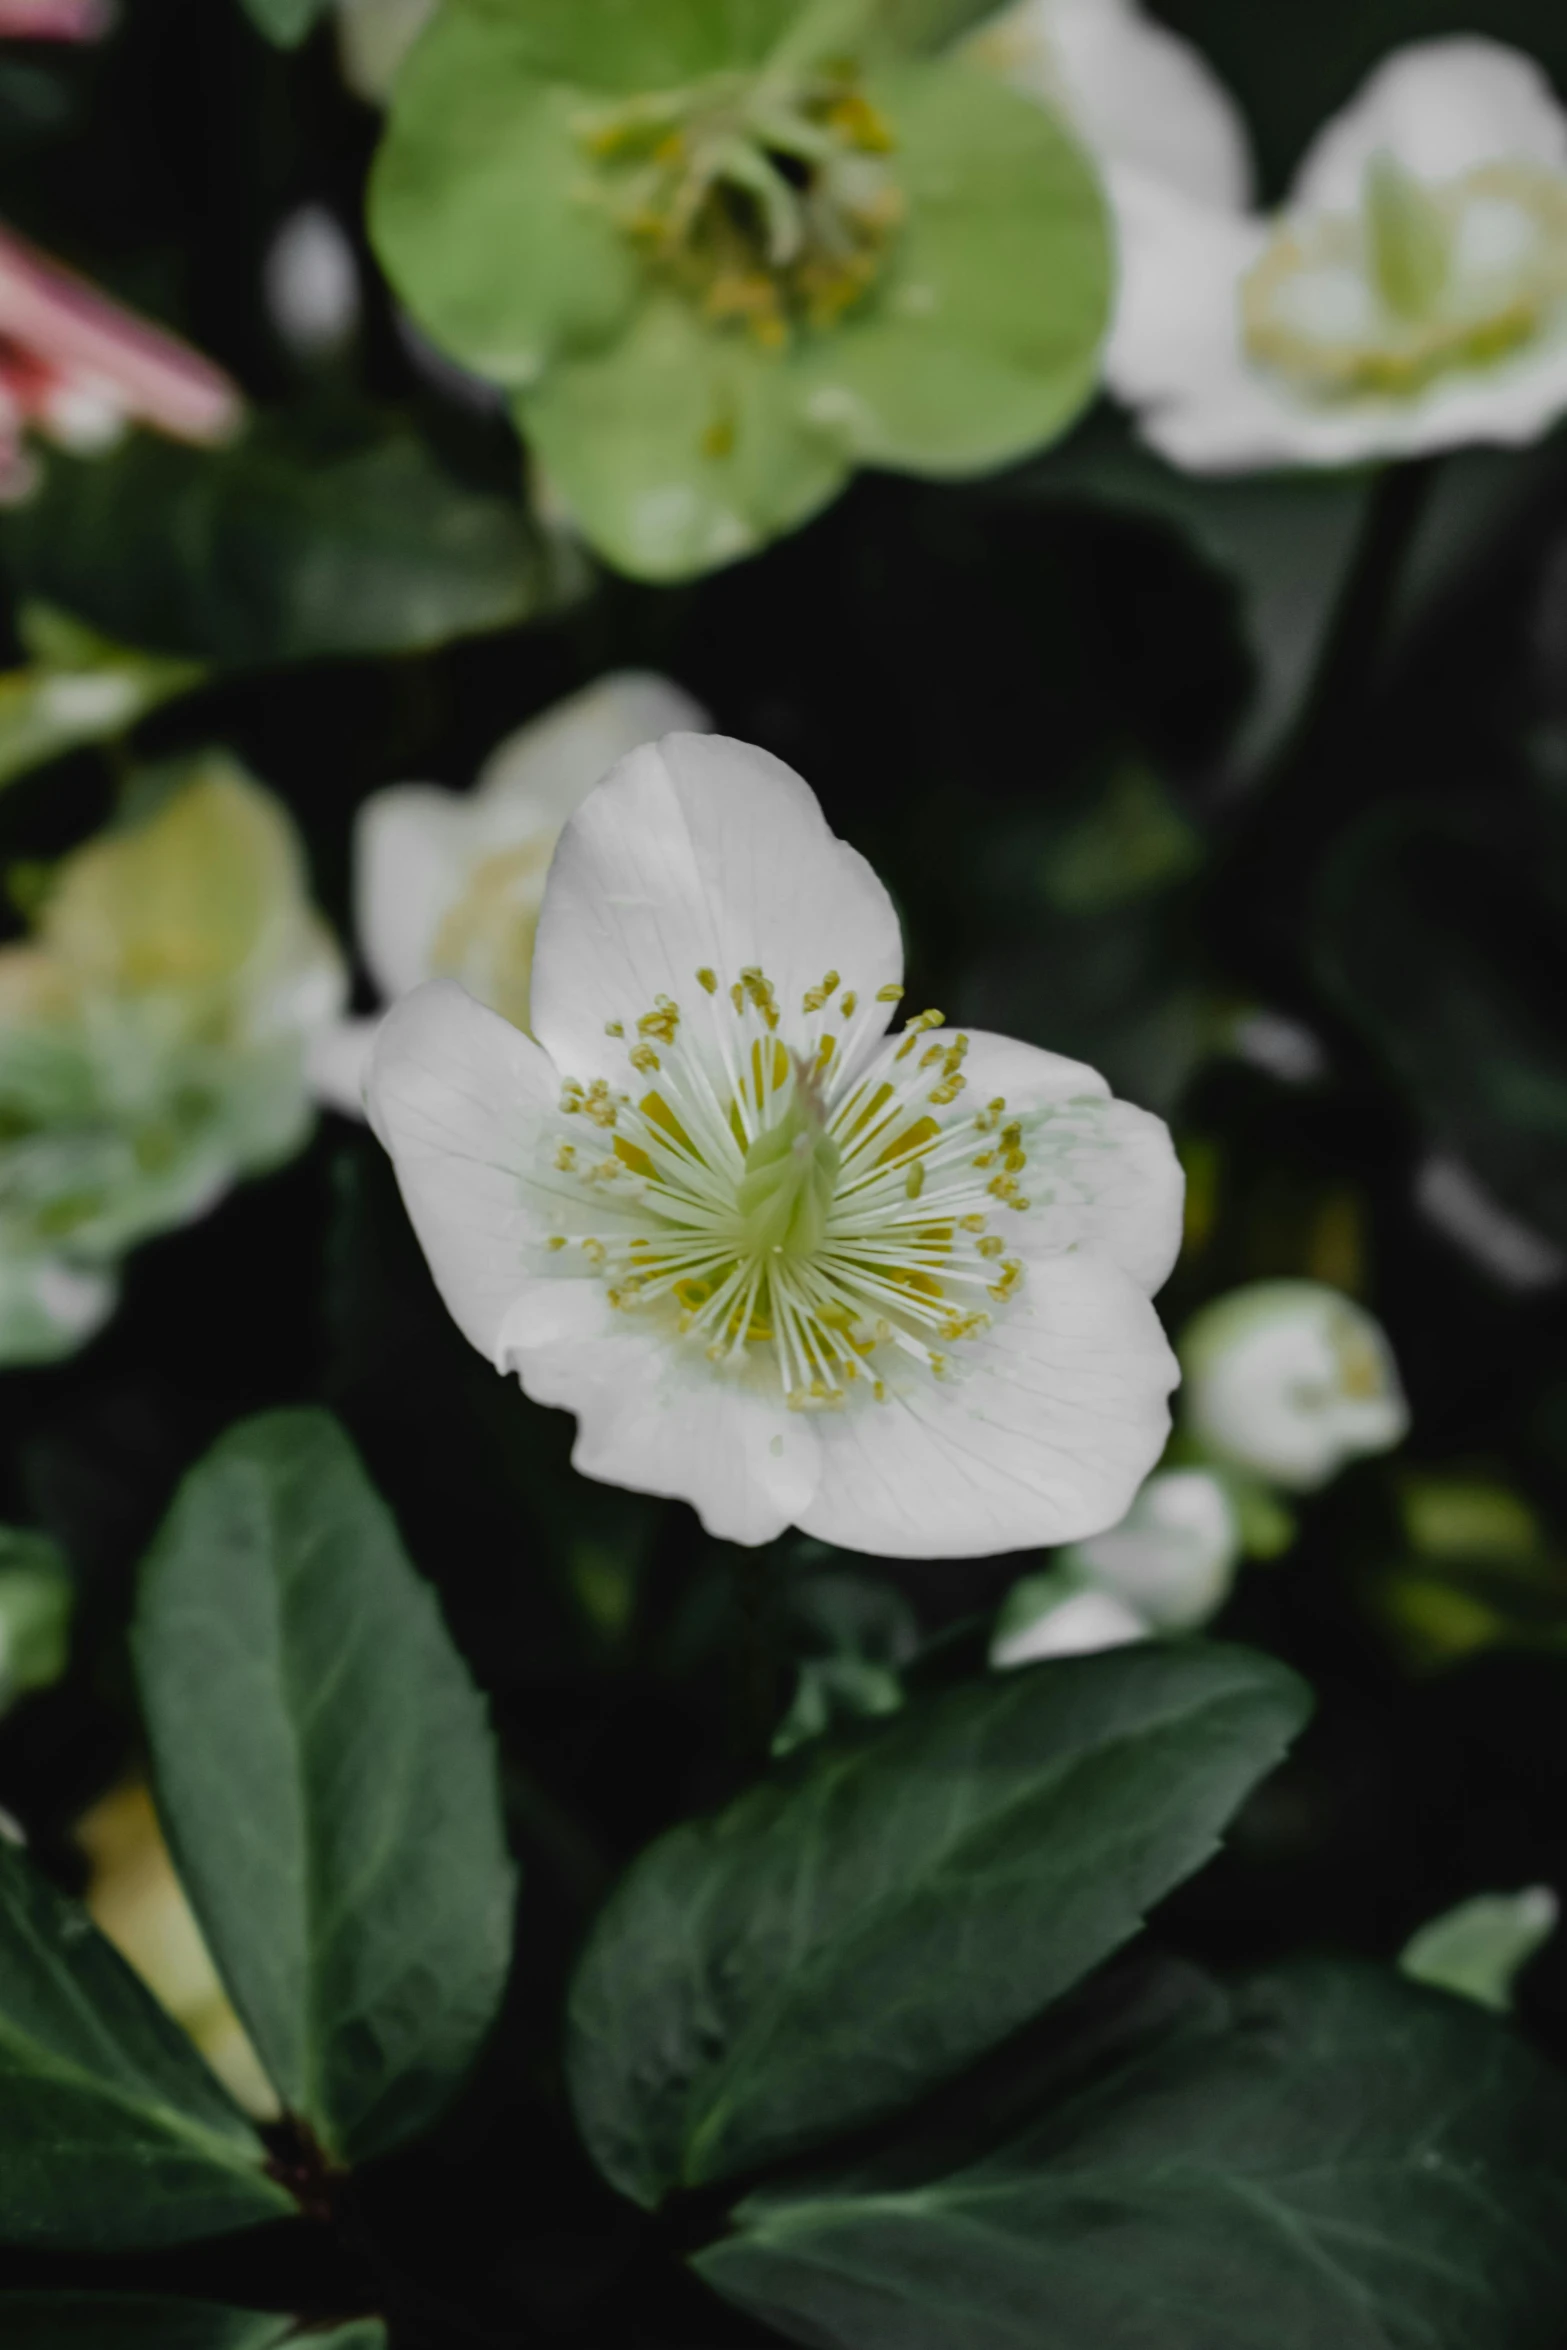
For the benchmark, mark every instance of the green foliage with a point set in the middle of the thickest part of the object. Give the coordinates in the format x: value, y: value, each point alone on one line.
x: 288, y: 546
x: 1478, y: 1948
x: 325, y: 1773
x: 1275, y: 2165
x: 78, y: 687
x: 285, y: 22
x: 113, y: 2321
x: 679, y: 437
x: 872, y: 1918
x: 36, y: 1599
x: 1449, y: 958
x: 115, y: 2132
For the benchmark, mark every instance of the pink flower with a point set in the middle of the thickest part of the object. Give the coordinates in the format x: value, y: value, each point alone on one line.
x: 78, y: 367
x: 53, y: 20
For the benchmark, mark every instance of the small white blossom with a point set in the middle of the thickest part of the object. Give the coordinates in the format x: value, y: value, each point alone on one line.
x: 1135, y: 92
x: 1056, y: 1615
x: 1411, y: 295
x: 449, y: 884
x: 1173, y: 1556
x: 892, y: 1289
x: 1291, y: 1381
x: 311, y: 282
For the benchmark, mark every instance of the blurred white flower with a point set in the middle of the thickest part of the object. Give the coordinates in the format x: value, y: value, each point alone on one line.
x: 1056, y: 1614
x: 1173, y: 1556
x: 310, y: 280
x: 1135, y: 92
x: 448, y: 885
x: 893, y: 1290
x: 152, y: 1043
x: 1411, y: 296
x: 1291, y: 1381
x: 137, y: 1902
x: 78, y: 368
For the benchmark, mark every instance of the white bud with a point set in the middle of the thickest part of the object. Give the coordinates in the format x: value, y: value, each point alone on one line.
x: 1173, y: 1556
x: 1290, y: 1380
x: 311, y: 283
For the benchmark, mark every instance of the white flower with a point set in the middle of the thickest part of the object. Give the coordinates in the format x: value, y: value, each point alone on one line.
x: 448, y: 885
x: 311, y: 281
x: 893, y: 1290
x: 1291, y: 1381
x: 1412, y: 295
x: 1135, y: 92
x: 1055, y: 1614
x: 1173, y: 1556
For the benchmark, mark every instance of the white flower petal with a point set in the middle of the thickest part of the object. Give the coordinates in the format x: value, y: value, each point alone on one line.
x: 548, y: 767
x: 458, y: 1095
x: 1441, y: 107
x: 685, y: 1431
x: 1134, y: 91
x: 1177, y: 323
x: 1173, y: 1556
x: 337, y: 1063
x: 1102, y: 1175
x: 1058, y: 1415
x: 413, y: 845
x: 1079, y: 1625
x: 699, y: 853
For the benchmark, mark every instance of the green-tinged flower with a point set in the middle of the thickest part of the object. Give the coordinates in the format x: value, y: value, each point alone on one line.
x: 152, y: 1042
x: 720, y: 256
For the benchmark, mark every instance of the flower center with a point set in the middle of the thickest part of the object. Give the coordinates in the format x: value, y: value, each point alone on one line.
x: 814, y: 1215
x: 766, y: 198
x: 1423, y: 281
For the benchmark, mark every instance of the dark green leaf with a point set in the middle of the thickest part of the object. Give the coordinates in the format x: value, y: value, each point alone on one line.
x: 865, y: 1923
x: 140, y: 2321
x: 326, y: 1777
x: 114, y: 2132
x: 1452, y: 964
x: 1337, y: 2158
x: 285, y: 22
x: 275, y: 550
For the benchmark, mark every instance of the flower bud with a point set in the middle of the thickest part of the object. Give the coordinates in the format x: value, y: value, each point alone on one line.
x: 1290, y: 1380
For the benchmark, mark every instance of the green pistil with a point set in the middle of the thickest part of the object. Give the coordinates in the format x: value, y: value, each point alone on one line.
x: 786, y: 1191
x: 1409, y: 239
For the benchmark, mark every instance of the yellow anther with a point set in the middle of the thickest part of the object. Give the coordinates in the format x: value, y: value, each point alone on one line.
x: 661, y: 1022
x: 614, y: 1028
x: 824, y: 1054
x: 593, y: 1250
x: 643, y: 1058
x: 849, y: 1005
x: 934, y: 1057
x: 566, y: 1158
x: 991, y: 1246
x: 1015, y: 1161
x: 602, y: 1106
x: 892, y: 993
x: 879, y: 1390
x: 961, y: 1326
x: 914, y: 1181
x: 708, y: 979
x: 557, y: 1240
x: 1012, y: 1135
x: 947, y: 1091
x: 1011, y: 1275
x: 916, y: 1028
x: 972, y: 1223
x: 986, y: 1159
x: 572, y: 1097
x: 815, y: 998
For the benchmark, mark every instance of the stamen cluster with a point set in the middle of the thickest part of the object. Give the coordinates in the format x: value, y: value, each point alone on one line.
x: 816, y: 1213
x: 1421, y: 281
x: 766, y: 198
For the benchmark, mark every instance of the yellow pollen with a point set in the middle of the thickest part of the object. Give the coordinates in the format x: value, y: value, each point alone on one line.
x: 644, y: 1059
x: 849, y: 1004
x: 816, y: 998
x: 614, y: 1028
x: 1011, y: 1275
x: 991, y: 1246
x: 708, y: 979
x: 566, y: 1157
x: 892, y: 993
x: 557, y: 1240
x: 914, y: 1181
